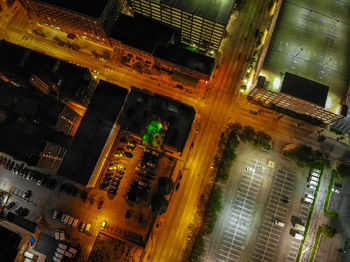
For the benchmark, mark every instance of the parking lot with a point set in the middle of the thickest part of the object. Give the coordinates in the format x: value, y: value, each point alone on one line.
x: 268, y: 241
x: 295, y: 243
x: 237, y: 227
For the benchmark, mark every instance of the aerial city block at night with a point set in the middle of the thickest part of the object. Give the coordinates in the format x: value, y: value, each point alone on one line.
x: 174, y: 130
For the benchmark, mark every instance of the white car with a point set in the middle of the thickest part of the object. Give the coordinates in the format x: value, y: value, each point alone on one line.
x: 335, y: 190
x: 249, y: 169
x: 312, y: 187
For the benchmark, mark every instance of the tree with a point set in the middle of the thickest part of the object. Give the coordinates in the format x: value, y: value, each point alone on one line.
x: 262, y: 140
x: 328, y: 231
x: 344, y: 170
x: 159, y: 204
x: 248, y: 134
x: 165, y: 185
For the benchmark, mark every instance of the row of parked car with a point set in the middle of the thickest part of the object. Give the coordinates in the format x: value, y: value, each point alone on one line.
x: 313, y: 181
x: 145, y: 169
x: 71, y: 221
x: 64, y: 250
x: 116, y: 170
x: 20, y: 169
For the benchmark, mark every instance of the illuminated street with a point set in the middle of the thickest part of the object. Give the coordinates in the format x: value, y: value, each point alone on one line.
x: 245, y: 230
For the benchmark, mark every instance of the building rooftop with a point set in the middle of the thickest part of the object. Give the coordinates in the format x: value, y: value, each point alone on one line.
x: 91, y: 8
x: 9, y: 242
x: 215, y: 10
x: 93, y: 131
x: 46, y: 245
x: 141, y: 32
x: 312, y: 41
x: 142, y: 107
x: 20, y: 64
x: 304, y: 89
x: 186, y: 58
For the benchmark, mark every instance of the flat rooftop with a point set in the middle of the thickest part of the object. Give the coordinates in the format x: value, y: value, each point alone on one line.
x: 312, y: 41
x: 186, y: 58
x: 141, y: 32
x: 91, y: 8
x: 19, y: 64
x: 215, y: 10
x: 46, y: 245
x: 304, y: 89
x: 142, y: 107
x: 9, y: 242
x: 93, y: 132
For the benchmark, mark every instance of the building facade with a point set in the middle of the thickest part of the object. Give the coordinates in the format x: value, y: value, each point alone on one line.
x: 85, y: 24
x: 293, y: 103
x: 197, y: 30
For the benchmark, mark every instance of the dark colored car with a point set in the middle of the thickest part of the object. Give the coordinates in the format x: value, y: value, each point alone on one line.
x: 112, y: 190
x: 123, y: 140
x: 27, y: 194
x: 8, y: 163
x: 179, y: 86
x: 12, y: 165
x: 338, y: 185
x: 115, y: 182
x: 3, y: 161
x: 100, y: 203
x: 120, y: 172
x: 51, y: 184
x: 285, y: 200
x: 128, y: 154
x: 177, y: 186
x: 22, y: 212
x: 10, y: 205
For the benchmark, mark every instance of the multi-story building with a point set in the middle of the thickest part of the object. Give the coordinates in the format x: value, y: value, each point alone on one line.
x: 302, y: 71
x: 202, y: 23
x: 36, y: 93
x: 146, y: 42
x: 87, y: 19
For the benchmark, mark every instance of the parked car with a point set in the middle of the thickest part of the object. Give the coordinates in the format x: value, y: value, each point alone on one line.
x: 82, y: 226
x: 22, y: 212
x: 249, y: 169
x: 128, y: 154
x: 278, y: 222
x: 285, y: 200
x: 10, y: 205
x: 59, y: 235
x: 312, y: 187
x: 150, y: 164
x: 131, y: 145
x: 335, y: 190
x: 112, y: 190
x: 87, y: 228
x: 100, y: 203
x: 11, y: 166
x: 51, y: 184
x: 27, y: 194
x: 338, y: 185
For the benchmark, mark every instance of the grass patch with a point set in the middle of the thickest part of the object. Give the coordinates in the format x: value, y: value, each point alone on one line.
x: 308, y: 220
x: 331, y: 213
x: 314, y: 247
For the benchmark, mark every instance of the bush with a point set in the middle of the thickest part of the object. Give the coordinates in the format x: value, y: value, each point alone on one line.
x: 328, y: 231
x: 343, y: 170
x: 248, y: 134
x: 165, y: 185
x: 336, y: 130
x: 197, y: 250
x: 304, y: 156
x: 212, y: 210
